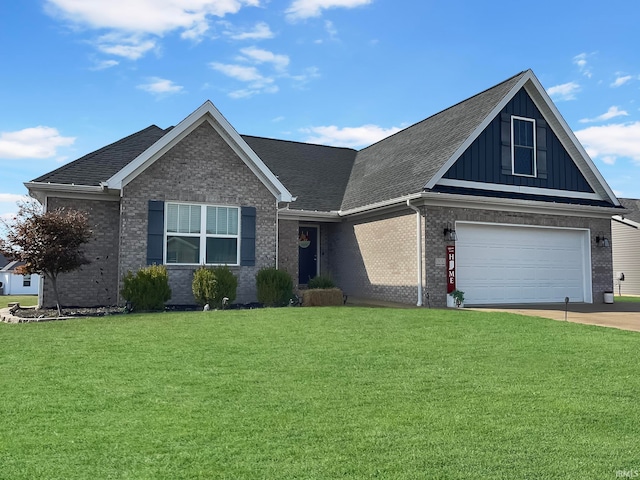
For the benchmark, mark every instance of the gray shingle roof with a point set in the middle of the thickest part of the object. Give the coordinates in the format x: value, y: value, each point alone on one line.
x: 404, y: 162
x: 316, y: 174
x: 100, y: 165
x: 326, y: 178
x: 633, y: 205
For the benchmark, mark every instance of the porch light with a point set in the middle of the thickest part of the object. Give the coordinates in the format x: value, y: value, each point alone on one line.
x: 450, y: 234
x: 602, y: 241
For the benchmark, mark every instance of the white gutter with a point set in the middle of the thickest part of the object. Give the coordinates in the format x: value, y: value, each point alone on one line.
x: 418, y: 249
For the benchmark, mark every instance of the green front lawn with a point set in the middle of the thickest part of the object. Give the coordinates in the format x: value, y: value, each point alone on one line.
x: 318, y: 393
x: 624, y: 298
x: 24, y: 300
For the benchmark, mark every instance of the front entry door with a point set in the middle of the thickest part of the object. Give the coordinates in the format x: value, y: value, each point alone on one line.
x: 307, y: 254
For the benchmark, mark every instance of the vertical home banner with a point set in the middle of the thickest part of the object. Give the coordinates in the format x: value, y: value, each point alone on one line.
x: 451, y: 268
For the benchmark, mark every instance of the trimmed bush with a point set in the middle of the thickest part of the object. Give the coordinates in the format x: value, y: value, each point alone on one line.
x: 212, y: 285
x: 275, y: 287
x: 148, y: 289
x: 322, y: 297
x: 321, y: 281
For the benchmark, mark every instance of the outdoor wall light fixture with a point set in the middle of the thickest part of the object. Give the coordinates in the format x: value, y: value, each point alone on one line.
x: 450, y: 233
x: 602, y: 241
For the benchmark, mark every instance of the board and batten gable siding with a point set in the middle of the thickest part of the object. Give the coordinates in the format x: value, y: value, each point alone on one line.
x: 482, y: 161
x: 201, y: 169
x: 95, y: 284
x: 625, y: 242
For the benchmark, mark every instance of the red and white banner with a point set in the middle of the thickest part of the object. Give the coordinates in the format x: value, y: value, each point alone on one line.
x: 451, y: 268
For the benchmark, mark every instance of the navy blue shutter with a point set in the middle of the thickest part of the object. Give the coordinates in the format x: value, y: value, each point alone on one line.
x: 248, y: 236
x: 155, y: 233
x: 505, y: 140
x: 541, y: 148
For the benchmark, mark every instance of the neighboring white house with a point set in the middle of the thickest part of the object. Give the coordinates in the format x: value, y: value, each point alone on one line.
x: 625, y: 241
x: 13, y: 284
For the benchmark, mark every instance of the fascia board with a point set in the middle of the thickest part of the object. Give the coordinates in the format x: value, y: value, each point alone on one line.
x: 206, y: 112
x: 40, y: 191
x: 308, y: 215
x: 478, y: 130
x: 580, y: 157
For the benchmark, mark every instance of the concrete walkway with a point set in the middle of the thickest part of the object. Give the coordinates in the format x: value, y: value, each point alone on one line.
x: 623, y: 315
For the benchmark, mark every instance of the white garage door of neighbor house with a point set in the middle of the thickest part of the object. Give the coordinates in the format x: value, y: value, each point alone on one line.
x: 498, y: 264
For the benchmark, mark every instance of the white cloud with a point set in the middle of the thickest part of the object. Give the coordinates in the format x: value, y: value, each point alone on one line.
x: 613, y: 112
x: 353, y: 137
x: 141, y: 19
x: 566, y: 91
x: 258, y: 55
x: 621, y: 80
x: 104, y: 64
x: 581, y: 61
x: 160, y: 86
x: 260, y: 32
x: 301, y: 9
x: 239, y: 72
x: 128, y: 46
x: 12, y: 198
x: 35, y: 142
x: 609, y: 142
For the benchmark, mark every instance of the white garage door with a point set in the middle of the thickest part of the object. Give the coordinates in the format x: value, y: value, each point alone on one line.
x: 507, y: 264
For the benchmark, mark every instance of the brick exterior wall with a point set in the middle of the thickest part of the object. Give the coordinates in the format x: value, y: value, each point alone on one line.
x: 438, y: 217
x: 95, y: 284
x: 201, y: 168
x: 376, y: 258
x: 288, y: 248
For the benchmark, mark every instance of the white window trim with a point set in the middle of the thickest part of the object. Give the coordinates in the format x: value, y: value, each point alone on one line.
x: 513, y: 146
x: 203, y: 235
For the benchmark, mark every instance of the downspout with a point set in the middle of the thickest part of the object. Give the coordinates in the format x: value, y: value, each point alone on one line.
x: 277, y: 226
x: 418, y: 249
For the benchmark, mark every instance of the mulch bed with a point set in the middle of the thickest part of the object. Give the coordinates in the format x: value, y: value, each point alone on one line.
x: 67, y: 312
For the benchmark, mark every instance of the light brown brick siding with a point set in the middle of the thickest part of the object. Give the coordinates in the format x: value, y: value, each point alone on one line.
x: 96, y: 283
x: 201, y: 168
x: 376, y: 258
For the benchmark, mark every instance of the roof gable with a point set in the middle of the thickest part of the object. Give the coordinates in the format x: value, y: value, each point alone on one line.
x: 417, y: 158
x: 206, y: 113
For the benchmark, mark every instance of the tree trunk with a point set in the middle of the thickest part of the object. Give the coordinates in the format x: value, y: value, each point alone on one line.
x: 54, y: 285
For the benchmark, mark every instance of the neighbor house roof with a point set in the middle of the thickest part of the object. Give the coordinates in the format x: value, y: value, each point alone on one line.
x: 3, y: 261
x: 633, y: 208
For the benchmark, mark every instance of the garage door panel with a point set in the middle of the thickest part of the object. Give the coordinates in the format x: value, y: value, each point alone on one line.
x: 511, y: 264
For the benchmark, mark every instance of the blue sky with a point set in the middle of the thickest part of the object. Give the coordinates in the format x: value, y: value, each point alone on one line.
x: 76, y: 75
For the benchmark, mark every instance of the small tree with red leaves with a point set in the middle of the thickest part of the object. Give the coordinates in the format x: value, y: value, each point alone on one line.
x: 49, y: 243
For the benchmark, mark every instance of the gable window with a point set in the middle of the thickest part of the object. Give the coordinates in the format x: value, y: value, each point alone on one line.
x: 202, y: 234
x: 523, y: 146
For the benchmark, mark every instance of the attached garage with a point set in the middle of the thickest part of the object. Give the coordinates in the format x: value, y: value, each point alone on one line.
x: 500, y: 264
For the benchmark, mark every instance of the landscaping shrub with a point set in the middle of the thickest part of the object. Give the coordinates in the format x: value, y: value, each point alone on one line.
x: 275, y: 287
x: 148, y: 289
x: 212, y: 285
x: 321, y: 281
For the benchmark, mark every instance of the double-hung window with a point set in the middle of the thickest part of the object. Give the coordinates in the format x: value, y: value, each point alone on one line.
x: 202, y: 234
x: 523, y: 146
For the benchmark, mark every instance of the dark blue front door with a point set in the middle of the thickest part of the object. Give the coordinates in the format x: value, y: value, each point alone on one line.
x: 307, y: 254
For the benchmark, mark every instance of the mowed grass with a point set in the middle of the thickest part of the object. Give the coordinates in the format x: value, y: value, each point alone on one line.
x: 318, y: 393
x: 24, y: 300
x: 626, y: 298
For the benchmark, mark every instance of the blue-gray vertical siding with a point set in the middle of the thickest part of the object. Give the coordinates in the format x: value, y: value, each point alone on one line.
x: 482, y: 161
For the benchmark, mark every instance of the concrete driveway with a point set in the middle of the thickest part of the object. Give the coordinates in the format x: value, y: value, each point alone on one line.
x: 623, y: 315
